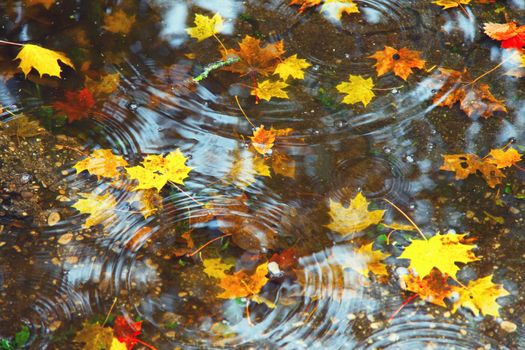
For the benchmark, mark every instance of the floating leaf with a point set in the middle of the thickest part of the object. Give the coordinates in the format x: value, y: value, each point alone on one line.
x: 357, y: 89
x: 241, y: 284
x: 157, y: 170
x: 267, y: 89
x: 433, y: 288
x: 205, y: 26
x: 353, y: 219
x: 216, y: 268
x: 372, y: 261
x: 480, y: 296
x: 95, y: 337
x: 439, y: 251
x: 263, y: 140
x: 292, y: 67
x: 99, y: 207
x: 44, y: 61
x: 102, y: 163
x: 510, y: 35
x: 127, y: 331
x: 504, y: 158
x: 466, y: 164
x: 77, y: 105
x: 305, y: 4
x: 451, y: 3
x: 400, y: 61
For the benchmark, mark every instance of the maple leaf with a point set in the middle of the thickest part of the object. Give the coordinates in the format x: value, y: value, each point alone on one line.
x: 510, y: 35
x: 205, y: 26
x: 126, y: 331
x: 46, y: 3
x: 104, y: 87
x: 102, y: 163
x: 504, y: 158
x: 433, y: 288
x: 254, y: 58
x: 372, y: 260
x: 466, y: 164
x: 245, y: 166
x: 77, y: 105
x: 118, y: 22
x: 357, y: 89
x: 474, y: 98
x: 44, y: 61
x: 305, y: 4
x: 95, y: 337
x: 285, y: 259
x: 157, y: 170
x: 399, y: 61
x: 439, y: 251
x: 117, y: 345
x: 22, y: 126
x: 336, y: 8
x: 292, y: 67
x: 99, y: 207
x: 262, y: 140
x: 353, y: 219
x: 451, y: 3
x: 267, y: 89
x: 480, y: 296
x: 241, y: 284
x: 216, y: 268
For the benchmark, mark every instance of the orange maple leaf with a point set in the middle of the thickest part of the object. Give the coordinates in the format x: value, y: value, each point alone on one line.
x: 433, y: 288
x: 504, y: 159
x: 510, y: 35
x: 466, y: 164
x: 262, y: 139
x: 400, y: 61
x: 305, y: 4
x: 241, y: 284
x: 254, y: 58
x: 475, y: 98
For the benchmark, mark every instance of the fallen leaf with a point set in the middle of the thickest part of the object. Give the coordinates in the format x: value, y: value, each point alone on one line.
x: 467, y: 164
x: 262, y: 140
x: 241, y: 284
x: 353, y: 219
x: 451, y: 3
x: 357, y: 89
x: 134, y: 243
x: 305, y: 4
x: 118, y: 22
x: 480, y: 297
x: 99, y: 207
x: 46, y: 3
x: 475, y: 98
x: 504, y: 158
x: 151, y: 202
x: 336, y: 8
x: 117, y: 345
x: 254, y: 58
x: 23, y: 127
x: 292, y: 67
x: 189, y: 244
x: 245, y: 167
x: 127, y: 331
x: 157, y: 170
x: 77, y: 105
x: 44, y: 61
x: 432, y: 288
x: 372, y: 261
x: 439, y: 251
x: 400, y: 61
x: 102, y: 163
x: 104, y: 87
x: 216, y: 268
x: 510, y: 35
x: 205, y: 26
x: 283, y: 164
x: 95, y: 337
x: 399, y: 227
x: 267, y: 89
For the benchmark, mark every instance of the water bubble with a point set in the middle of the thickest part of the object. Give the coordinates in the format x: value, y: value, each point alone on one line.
x: 133, y: 106
x: 25, y: 178
x: 387, y: 150
x: 408, y: 158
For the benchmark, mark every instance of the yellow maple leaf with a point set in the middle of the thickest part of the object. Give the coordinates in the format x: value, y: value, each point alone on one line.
x: 504, y: 159
x: 292, y: 67
x: 241, y: 284
x: 268, y: 89
x: 157, y: 170
x: 101, y: 162
x: 118, y: 22
x: 450, y: 3
x: 117, y: 345
x: 95, y: 336
x: 372, y: 260
x: 263, y: 140
x: 245, y: 167
x: 216, y: 268
x: 205, y: 26
x: 357, y: 89
x: 336, y: 8
x: 99, y: 207
x: 353, y: 219
x: 46, y: 3
x: 44, y: 61
x: 480, y: 296
x: 439, y: 251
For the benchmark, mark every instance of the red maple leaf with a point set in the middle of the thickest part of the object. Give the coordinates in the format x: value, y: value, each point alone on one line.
x: 127, y: 332
x: 286, y: 259
x: 77, y: 104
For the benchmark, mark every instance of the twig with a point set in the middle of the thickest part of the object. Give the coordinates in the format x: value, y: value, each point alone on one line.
x: 220, y: 42
x: 207, y: 244
x: 493, y: 69
x: 405, y: 303
x: 10, y: 43
x: 110, y: 310
x: 407, y: 217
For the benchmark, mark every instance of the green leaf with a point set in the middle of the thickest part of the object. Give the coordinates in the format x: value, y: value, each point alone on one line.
x: 5, y: 345
x: 22, y: 337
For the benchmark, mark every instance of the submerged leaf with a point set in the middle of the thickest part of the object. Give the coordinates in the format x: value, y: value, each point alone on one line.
x: 336, y: 8
x: 99, y: 207
x: 433, y: 288
x: 102, y: 163
x: 77, y: 104
x: 119, y: 22
x: 95, y: 337
x: 216, y: 268
x: 372, y: 261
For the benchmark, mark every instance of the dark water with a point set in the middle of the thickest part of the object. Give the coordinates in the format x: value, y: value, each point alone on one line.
x: 391, y: 149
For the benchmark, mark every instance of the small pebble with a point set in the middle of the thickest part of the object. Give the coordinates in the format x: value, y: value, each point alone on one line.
x: 53, y: 218
x: 508, y: 326
x: 65, y: 238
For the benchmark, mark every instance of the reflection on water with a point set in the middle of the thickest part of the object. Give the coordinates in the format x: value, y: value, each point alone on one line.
x: 56, y: 277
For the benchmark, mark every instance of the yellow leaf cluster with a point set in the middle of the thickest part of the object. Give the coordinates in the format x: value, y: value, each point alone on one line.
x: 353, y: 219
x: 357, y: 89
x: 157, y: 170
x: 205, y: 26
x: 44, y: 61
x: 102, y: 163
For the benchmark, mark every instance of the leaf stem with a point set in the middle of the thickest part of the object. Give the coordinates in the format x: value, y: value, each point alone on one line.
x: 220, y: 42
x: 186, y: 193
x: 244, y: 114
x: 109, y: 312
x: 405, y: 303
x: 10, y: 43
x: 407, y: 217
x: 493, y: 69
x: 207, y: 244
